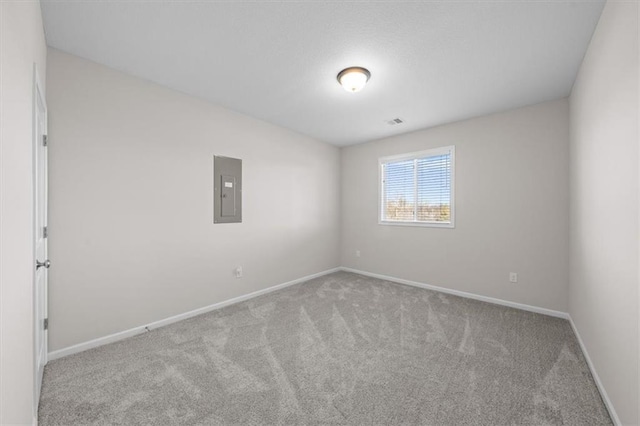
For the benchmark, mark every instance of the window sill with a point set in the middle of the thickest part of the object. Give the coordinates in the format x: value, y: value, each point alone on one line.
x: 419, y: 224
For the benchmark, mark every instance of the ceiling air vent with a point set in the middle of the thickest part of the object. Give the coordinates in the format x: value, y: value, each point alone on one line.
x: 395, y: 122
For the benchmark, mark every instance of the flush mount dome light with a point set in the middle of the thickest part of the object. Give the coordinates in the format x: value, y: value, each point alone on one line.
x: 353, y: 79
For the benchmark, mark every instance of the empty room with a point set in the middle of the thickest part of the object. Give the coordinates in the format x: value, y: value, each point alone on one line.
x: 319, y: 212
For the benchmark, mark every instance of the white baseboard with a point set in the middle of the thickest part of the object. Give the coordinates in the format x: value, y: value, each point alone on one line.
x: 143, y: 328
x: 596, y: 378
x: 80, y: 347
x: 474, y: 296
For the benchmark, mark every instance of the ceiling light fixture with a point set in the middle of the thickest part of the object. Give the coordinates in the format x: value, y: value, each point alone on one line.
x: 353, y: 79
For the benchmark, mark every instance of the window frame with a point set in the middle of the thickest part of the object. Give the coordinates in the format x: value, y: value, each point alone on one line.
x: 451, y: 149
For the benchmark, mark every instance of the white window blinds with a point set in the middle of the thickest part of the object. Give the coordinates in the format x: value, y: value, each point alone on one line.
x: 418, y: 188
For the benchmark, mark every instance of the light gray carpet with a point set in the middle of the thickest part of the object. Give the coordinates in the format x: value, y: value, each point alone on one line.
x: 340, y: 349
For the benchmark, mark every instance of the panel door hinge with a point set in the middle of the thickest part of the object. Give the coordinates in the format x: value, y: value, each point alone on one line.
x: 44, y: 140
x: 45, y: 232
x: 46, y: 323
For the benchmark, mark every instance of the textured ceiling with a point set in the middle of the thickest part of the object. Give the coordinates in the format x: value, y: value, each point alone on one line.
x: 431, y: 62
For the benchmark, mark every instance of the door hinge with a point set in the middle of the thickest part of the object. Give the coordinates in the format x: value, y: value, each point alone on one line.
x: 44, y: 140
x: 45, y: 232
x: 46, y: 323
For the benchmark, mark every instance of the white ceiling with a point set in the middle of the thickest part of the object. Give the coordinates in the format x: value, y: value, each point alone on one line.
x: 431, y: 62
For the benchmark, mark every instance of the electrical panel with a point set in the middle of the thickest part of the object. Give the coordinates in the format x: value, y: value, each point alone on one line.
x: 227, y: 190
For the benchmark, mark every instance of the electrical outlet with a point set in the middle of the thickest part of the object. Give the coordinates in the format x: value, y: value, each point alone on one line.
x: 357, y: 253
x: 513, y: 277
x: 238, y: 272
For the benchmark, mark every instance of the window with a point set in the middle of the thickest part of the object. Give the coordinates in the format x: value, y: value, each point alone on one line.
x: 417, y: 188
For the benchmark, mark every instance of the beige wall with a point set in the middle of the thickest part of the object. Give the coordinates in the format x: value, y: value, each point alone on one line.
x: 131, y: 203
x: 132, y: 238
x: 603, y: 295
x: 21, y: 45
x: 512, y: 209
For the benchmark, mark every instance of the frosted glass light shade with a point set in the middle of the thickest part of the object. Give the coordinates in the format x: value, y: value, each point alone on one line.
x: 353, y: 79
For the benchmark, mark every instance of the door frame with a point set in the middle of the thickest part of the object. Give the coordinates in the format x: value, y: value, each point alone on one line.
x: 38, y: 95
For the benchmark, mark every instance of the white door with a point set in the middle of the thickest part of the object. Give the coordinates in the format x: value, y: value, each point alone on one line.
x: 40, y: 232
